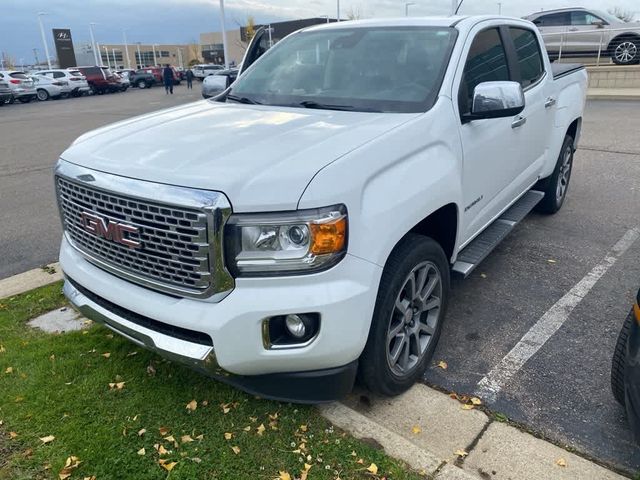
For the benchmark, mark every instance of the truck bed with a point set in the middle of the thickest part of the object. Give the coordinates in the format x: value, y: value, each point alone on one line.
x: 560, y: 70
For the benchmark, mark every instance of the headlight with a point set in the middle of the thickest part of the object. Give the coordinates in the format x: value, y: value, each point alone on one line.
x: 297, y: 242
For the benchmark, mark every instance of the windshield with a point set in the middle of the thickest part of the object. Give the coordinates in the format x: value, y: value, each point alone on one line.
x: 392, y: 69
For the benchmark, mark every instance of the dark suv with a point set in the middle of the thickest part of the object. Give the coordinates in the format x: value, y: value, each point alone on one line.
x: 142, y: 78
x: 100, y: 79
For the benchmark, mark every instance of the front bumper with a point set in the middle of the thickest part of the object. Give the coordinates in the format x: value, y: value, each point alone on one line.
x: 178, y: 328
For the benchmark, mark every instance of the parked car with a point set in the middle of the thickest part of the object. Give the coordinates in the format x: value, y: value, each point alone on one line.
x: 217, y: 83
x: 123, y: 81
x: 587, y: 32
x: 202, y: 71
x: 142, y: 79
x: 5, y: 93
x: 77, y: 83
x: 100, y: 79
x: 319, y: 206
x: 21, y: 85
x: 625, y: 368
x: 47, y: 87
x: 158, y: 73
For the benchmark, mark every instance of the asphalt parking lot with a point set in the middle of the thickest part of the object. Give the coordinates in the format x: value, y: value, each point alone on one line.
x: 561, y: 392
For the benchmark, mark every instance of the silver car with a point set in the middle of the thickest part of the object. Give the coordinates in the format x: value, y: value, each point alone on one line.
x: 583, y: 32
x: 21, y: 85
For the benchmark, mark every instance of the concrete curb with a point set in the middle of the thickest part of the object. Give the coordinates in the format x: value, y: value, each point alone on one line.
x: 613, y: 93
x: 26, y: 281
x: 433, y: 434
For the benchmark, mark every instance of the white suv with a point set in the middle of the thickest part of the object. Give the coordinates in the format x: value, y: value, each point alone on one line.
x: 21, y: 85
x: 77, y: 83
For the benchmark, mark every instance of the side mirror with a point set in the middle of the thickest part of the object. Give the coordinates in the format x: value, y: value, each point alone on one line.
x: 496, y: 100
x: 598, y: 23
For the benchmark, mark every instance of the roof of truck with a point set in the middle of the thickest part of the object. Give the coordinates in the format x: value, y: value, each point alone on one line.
x: 442, y: 21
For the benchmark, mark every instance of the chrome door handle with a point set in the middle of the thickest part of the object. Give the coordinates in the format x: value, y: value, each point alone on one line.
x: 573, y: 29
x: 519, y: 121
x: 550, y: 102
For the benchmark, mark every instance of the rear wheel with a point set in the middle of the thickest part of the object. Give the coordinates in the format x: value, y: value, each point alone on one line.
x: 617, y: 364
x: 42, y: 94
x: 407, y: 320
x: 556, y: 186
x: 626, y: 51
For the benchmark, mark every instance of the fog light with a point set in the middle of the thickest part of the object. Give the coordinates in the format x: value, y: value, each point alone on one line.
x: 295, y: 326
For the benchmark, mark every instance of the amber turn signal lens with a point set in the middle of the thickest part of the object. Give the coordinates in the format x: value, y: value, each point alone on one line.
x: 636, y: 310
x: 328, y: 237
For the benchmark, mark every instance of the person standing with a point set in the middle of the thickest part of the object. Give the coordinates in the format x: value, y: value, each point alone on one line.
x: 189, y: 76
x: 167, y: 76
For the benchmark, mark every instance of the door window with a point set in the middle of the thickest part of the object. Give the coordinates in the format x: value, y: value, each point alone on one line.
x: 553, y: 20
x: 529, y: 58
x: 486, y: 62
x: 580, y: 17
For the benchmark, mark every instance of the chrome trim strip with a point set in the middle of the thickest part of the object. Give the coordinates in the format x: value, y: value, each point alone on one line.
x: 200, y: 357
x: 214, y: 205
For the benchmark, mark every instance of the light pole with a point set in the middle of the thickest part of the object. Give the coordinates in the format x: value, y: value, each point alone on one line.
x: 324, y: 16
x: 270, y: 30
x: 454, y: 7
x: 224, y: 36
x: 44, y: 40
x: 126, y: 47
x: 499, y: 8
x: 115, y: 62
x: 106, y: 51
x: 140, y: 65
x: 406, y: 8
x: 99, y: 55
x: 338, y: 10
x: 180, y: 58
x: 93, y: 43
x: 155, y: 60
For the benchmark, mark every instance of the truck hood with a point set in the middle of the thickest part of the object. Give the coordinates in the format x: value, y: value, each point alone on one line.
x: 261, y: 157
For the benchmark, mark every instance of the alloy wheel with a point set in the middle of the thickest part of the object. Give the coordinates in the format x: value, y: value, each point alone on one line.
x: 626, y: 52
x: 414, y: 318
x: 564, y: 175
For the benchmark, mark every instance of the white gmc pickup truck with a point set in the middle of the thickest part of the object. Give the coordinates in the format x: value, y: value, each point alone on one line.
x: 301, y: 228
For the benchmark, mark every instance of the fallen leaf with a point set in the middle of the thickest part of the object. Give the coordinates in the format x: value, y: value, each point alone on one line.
x: 163, y: 431
x: 253, y: 419
x: 47, y: 439
x: 353, y: 453
x: 192, y: 405
x: 116, y: 385
x: 303, y: 428
x: 373, y: 468
x: 416, y: 430
x: 13, y: 435
x: 142, y: 431
x: 247, y: 428
x: 561, y: 462
x: 476, y: 401
x: 71, y: 464
x: 170, y: 439
x: 360, y: 461
x: 236, y: 450
x: 2, y: 349
x: 196, y: 460
x: 274, y: 416
x: 225, y: 408
x: 106, y: 355
x: 142, y: 451
x: 200, y: 437
x: 260, y: 430
x: 64, y: 474
x: 443, y: 365
x: 186, y: 439
x: 8, y: 370
x: 168, y: 466
x: 468, y: 406
x: 228, y: 436
x: 162, y: 450
x: 284, y: 475
x: 151, y: 371
x: 131, y: 354
x: 460, y: 453
x: 19, y: 399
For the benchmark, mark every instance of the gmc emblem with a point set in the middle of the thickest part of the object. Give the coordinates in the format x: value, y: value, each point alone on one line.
x: 109, y: 230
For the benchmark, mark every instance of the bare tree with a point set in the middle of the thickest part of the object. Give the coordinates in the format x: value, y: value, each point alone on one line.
x: 250, y: 31
x: 354, y: 13
x: 622, y: 14
x: 193, y: 51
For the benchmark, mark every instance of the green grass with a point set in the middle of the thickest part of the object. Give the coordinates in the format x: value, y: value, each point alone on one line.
x: 59, y: 385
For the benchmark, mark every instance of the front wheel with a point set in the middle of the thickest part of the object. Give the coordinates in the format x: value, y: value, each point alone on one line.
x: 626, y: 51
x: 42, y: 95
x: 407, y: 320
x: 618, y: 361
x: 556, y: 186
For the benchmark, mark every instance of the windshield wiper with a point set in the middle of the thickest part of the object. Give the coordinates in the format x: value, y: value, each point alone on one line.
x: 326, y: 106
x: 238, y: 99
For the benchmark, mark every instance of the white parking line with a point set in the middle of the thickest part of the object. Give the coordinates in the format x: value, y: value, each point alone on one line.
x: 490, y: 385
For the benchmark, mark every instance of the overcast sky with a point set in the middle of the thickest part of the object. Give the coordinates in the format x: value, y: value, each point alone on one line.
x: 181, y: 21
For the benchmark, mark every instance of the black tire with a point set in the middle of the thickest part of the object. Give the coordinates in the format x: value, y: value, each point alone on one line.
x: 618, y: 361
x: 375, y: 371
x: 12, y: 100
x: 625, y: 51
x: 553, y: 201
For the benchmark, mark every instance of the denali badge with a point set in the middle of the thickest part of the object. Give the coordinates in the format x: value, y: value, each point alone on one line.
x: 109, y: 229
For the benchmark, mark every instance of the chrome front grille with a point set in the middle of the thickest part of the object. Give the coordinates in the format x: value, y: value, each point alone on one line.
x: 177, y: 247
